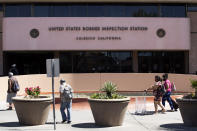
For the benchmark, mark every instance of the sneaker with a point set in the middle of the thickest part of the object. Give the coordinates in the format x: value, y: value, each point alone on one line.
x: 156, y: 112
x: 63, y: 121
x: 68, y: 122
x: 171, y: 110
x: 163, y: 110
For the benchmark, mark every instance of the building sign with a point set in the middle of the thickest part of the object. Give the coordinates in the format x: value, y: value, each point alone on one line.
x: 98, y: 29
x: 93, y: 33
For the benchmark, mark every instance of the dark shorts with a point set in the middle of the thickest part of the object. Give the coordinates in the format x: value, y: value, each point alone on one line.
x: 9, y: 97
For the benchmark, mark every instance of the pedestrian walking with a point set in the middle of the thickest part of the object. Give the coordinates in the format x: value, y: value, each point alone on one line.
x: 168, y: 88
x: 157, y: 92
x: 11, y: 92
x: 66, y: 95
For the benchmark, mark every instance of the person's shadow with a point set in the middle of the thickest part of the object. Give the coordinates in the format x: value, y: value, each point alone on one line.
x: 143, y: 113
x: 81, y: 125
x: 11, y: 124
x: 87, y: 125
x: 178, y: 127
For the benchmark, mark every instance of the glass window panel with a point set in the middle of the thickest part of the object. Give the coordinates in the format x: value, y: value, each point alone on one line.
x: 142, y: 10
x: 95, y: 10
x: 114, y: 62
x: 1, y: 7
x: 93, y: 61
x: 66, y: 62
x: 192, y: 7
x: 114, y: 10
x: 60, y: 11
x: 145, y: 54
x: 17, y: 10
x: 11, y: 11
x: 42, y: 10
x: 173, y: 11
x: 96, y: 61
x: 123, y: 61
x: 78, y: 10
x: 24, y: 10
x: 159, y: 62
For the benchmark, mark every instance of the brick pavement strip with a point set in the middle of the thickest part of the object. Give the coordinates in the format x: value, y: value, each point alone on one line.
x: 83, y: 119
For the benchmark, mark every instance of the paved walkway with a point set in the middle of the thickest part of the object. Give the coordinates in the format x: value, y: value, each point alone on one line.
x: 82, y: 119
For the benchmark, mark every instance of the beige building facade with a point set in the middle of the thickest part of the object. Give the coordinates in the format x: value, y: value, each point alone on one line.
x: 129, y: 83
x: 146, y: 52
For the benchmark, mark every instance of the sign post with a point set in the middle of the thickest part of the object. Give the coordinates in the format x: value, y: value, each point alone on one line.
x: 53, y: 71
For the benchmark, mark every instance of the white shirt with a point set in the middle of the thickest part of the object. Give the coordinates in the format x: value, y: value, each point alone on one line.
x: 66, y: 87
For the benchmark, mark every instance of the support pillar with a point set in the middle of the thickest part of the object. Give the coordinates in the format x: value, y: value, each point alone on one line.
x: 135, y: 61
x: 186, y: 55
x: 1, y: 44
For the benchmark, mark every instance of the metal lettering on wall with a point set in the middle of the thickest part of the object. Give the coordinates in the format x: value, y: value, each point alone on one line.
x: 97, y: 28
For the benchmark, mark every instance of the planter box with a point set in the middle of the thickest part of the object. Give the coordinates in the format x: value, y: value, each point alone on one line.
x: 32, y: 111
x: 109, y: 112
x: 188, y: 109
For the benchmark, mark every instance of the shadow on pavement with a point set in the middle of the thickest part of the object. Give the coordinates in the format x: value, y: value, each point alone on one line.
x: 170, y: 111
x: 144, y: 113
x: 178, y: 127
x: 87, y: 125
x: 11, y: 124
x: 56, y: 123
x: 3, y: 110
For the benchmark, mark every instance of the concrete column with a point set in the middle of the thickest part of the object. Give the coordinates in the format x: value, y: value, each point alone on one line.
x: 135, y: 61
x: 193, y: 52
x: 1, y: 44
x: 186, y: 55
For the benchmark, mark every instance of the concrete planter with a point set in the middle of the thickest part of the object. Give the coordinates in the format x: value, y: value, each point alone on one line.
x: 109, y: 112
x: 32, y: 111
x: 188, y: 109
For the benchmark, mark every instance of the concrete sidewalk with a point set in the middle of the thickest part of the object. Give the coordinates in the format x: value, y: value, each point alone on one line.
x: 82, y: 119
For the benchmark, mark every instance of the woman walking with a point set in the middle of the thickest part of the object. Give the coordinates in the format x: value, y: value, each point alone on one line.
x: 157, y: 92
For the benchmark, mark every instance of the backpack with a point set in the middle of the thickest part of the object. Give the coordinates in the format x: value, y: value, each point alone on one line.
x: 16, y: 86
x: 163, y: 89
x: 67, y: 94
x: 173, y: 87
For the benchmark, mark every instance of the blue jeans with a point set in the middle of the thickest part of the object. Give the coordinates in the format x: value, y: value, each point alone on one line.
x: 68, y: 106
x: 167, y: 97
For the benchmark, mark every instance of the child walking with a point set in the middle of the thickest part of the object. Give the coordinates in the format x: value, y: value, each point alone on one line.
x: 157, y: 92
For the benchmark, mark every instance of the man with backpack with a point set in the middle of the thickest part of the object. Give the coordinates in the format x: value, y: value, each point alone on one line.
x: 66, y: 94
x: 13, y: 87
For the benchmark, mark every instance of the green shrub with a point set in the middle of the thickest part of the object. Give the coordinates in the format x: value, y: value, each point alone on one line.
x: 194, y: 86
x: 97, y: 96
x: 108, y: 92
x: 109, y: 88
